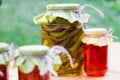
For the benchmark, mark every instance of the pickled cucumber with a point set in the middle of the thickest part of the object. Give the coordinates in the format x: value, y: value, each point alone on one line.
x: 67, y: 35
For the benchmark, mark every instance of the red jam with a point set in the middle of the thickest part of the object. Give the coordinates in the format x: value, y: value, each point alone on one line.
x: 95, y: 60
x: 3, y: 72
x: 34, y: 75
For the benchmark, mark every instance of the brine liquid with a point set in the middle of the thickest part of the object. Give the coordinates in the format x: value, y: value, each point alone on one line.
x: 3, y: 72
x: 95, y: 60
x: 34, y: 75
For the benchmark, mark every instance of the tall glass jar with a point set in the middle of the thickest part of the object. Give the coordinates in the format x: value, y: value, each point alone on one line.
x: 35, y: 63
x: 95, y: 44
x: 4, y: 60
x: 61, y: 25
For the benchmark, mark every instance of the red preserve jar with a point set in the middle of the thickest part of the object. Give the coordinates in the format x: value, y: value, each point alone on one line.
x: 34, y: 75
x: 4, y: 47
x: 34, y: 62
x: 95, y: 44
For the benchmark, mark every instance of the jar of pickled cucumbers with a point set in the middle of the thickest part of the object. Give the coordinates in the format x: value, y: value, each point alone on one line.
x: 4, y: 60
x: 95, y: 44
x: 36, y: 62
x: 63, y: 24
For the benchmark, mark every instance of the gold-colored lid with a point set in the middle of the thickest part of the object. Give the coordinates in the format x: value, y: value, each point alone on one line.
x: 95, y: 32
x: 63, y: 6
x: 4, y: 47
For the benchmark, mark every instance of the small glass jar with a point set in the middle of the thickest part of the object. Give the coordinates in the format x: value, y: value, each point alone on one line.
x: 95, y: 44
x: 4, y: 60
x: 34, y: 62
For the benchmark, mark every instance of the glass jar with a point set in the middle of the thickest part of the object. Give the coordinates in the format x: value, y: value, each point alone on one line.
x: 61, y: 25
x: 34, y: 75
x: 4, y: 60
x: 34, y: 62
x: 95, y: 44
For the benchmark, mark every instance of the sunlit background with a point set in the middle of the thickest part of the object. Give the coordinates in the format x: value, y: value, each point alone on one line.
x: 16, y: 18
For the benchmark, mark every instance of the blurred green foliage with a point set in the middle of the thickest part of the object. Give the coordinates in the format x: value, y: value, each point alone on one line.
x: 16, y: 18
x: 0, y: 2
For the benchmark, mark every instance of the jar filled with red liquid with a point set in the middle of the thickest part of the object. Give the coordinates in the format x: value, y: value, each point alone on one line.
x: 34, y: 62
x: 95, y: 44
x: 4, y: 48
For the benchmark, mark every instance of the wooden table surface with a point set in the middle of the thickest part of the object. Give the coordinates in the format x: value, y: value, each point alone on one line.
x: 113, y: 67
